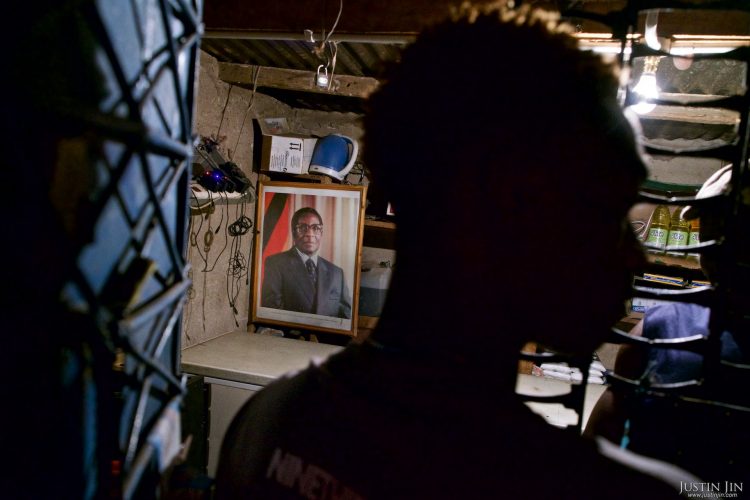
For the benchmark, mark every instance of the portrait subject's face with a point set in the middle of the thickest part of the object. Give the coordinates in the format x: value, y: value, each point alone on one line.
x: 307, y: 234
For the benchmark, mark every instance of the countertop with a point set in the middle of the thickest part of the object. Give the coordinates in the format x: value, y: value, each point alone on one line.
x: 259, y: 359
x: 251, y: 358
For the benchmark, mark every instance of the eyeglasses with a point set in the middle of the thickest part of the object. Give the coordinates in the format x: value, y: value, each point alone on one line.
x: 317, y: 229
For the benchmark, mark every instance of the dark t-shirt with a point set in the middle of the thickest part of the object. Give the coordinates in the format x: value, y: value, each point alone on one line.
x: 366, y: 424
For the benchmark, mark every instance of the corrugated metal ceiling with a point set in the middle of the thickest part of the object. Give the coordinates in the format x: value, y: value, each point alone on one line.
x: 353, y: 58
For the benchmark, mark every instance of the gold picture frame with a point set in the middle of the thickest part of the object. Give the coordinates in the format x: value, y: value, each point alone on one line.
x: 285, y: 292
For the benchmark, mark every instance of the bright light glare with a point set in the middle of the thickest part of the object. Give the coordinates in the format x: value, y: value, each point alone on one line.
x: 643, y: 108
x: 613, y: 48
x: 647, y: 87
x: 652, y: 40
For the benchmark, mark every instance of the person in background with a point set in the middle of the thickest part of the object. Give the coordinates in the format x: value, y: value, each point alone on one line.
x: 301, y: 280
x: 491, y: 137
x: 707, y: 440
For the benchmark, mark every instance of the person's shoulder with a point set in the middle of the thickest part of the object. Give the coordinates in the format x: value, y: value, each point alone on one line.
x: 294, y: 382
x: 259, y: 426
x: 270, y: 398
x: 281, y: 256
x: 329, y: 264
x: 675, y: 319
x: 273, y: 404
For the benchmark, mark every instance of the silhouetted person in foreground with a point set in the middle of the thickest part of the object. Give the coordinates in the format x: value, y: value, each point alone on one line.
x: 500, y: 120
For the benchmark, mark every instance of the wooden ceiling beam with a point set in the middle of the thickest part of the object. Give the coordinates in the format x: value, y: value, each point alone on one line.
x: 295, y: 16
x: 291, y: 79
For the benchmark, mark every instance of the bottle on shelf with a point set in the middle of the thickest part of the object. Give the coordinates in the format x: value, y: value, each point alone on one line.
x: 658, y: 228
x: 679, y: 231
x: 694, y: 236
x: 695, y: 229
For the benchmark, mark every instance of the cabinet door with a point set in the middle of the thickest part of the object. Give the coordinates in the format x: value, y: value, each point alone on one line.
x: 227, y: 398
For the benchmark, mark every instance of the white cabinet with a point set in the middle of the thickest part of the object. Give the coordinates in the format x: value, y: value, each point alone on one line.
x: 227, y: 397
x: 236, y: 365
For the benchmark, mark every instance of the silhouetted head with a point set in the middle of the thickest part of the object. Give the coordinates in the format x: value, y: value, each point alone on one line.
x: 511, y: 168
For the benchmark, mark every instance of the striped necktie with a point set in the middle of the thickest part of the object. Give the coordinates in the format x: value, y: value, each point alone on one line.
x: 311, y: 271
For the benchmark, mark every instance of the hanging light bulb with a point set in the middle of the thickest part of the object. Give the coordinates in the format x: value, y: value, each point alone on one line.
x: 647, y: 88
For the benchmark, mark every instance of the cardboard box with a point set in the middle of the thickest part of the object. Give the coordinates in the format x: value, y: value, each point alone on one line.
x: 287, y: 153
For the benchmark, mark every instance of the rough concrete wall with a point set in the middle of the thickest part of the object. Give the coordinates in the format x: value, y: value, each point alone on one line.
x: 222, y: 111
x: 226, y: 111
x: 317, y: 123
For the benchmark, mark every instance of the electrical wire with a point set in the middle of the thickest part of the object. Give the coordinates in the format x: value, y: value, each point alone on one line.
x: 194, y: 235
x: 194, y: 244
x: 237, y: 267
x: 203, y: 300
x: 208, y: 236
x: 240, y: 227
x: 194, y: 240
x: 333, y: 28
x: 333, y: 47
x: 218, y: 228
x: 327, y: 43
x: 223, y: 111
x: 256, y: 74
x: 198, y: 208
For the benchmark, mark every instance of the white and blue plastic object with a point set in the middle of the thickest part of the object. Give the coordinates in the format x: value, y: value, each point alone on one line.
x: 334, y: 156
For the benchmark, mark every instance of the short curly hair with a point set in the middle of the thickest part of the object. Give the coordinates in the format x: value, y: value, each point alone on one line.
x: 301, y: 213
x: 490, y: 88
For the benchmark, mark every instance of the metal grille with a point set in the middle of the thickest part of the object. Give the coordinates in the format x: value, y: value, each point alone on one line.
x: 720, y: 393
x: 130, y: 278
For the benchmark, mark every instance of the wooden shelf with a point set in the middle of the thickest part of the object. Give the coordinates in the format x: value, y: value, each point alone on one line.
x: 266, y: 175
x: 690, y: 263
x: 379, y: 234
x: 368, y: 322
x: 670, y: 265
x: 380, y: 223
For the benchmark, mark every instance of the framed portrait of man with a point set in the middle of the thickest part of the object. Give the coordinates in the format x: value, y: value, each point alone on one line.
x: 307, y: 253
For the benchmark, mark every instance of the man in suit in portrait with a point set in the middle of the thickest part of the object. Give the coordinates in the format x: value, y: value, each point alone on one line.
x: 301, y: 280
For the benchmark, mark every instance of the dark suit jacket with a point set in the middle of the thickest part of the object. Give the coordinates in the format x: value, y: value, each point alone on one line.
x: 287, y: 286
